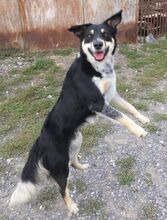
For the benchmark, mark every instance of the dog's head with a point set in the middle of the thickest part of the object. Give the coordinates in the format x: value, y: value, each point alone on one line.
x: 98, y: 41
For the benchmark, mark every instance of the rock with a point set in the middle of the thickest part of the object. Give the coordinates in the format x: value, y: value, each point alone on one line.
x: 150, y: 39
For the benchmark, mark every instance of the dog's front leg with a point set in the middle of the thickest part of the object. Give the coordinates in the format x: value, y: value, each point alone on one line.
x: 112, y: 113
x: 130, y: 108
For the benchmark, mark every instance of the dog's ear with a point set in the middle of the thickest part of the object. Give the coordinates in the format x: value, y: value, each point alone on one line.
x: 114, y: 20
x: 79, y: 30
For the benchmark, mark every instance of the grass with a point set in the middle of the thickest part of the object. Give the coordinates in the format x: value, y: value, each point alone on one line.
x: 92, y: 133
x: 140, y: 105
x: 151, y: 128
x: 148, y: 179
x: 149, y: 211
x: 2, y: 169
x: 91, y: 207
x: 48, y: 196
x: 80, y: 186
x: 160, y: 117
x: 149, y: 61
x: 157, y: 96
x: 5, y: 53
x: 125, y: 174
x: 29, y: 106
x: 64, y: 52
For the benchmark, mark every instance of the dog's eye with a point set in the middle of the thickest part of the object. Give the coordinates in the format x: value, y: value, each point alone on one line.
x: 106, y: 34
x: 89, y: 36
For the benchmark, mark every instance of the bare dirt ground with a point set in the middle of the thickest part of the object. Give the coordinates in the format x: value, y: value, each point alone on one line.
x: 127, y: 177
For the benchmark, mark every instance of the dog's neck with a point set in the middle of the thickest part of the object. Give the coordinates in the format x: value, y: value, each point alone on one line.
x: 105, y: 67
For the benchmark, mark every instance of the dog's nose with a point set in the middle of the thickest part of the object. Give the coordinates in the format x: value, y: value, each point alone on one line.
x: 97, y: 45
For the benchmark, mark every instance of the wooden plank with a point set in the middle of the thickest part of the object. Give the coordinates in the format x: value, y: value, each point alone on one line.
x: 10, y: 25
x: 47, y: 22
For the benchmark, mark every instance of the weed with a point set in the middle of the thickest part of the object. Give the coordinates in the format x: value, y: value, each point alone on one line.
x: 80, y: 186
x: 48, y: 196
x: 125, y: 174
x: 10, y: 52
x: 91, y: 206
x: 149, y: 211
x: 148, y: 179
x: 152, y: 128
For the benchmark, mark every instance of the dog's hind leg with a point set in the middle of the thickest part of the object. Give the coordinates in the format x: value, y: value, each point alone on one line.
x: 60, y: 174
x: 130, y: 108
x: 74, y: 149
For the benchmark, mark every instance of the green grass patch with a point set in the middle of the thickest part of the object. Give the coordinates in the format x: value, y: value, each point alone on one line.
x: 2, y: 169
x: 48, y: 196
x: 160, y: 117
x: 9, y: 52
x: 152, y: 128
x: 129, y: 52
x: 148, y: 179
x: 91, y: 207
x: 64, y: 52
x: 140, y: 105
x: 149, y: 211
x: 92, y: 133
x: 157, y: 96
x: 125, y: 174
x: 149, y: 61
x: 80, y: 186
x: 22, y: 143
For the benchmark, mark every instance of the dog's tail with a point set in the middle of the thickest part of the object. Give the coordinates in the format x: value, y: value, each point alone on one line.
x: 27, y: 187
x: 22, y: 194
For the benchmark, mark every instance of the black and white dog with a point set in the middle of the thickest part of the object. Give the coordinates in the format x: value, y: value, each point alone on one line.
x: 89, y: 87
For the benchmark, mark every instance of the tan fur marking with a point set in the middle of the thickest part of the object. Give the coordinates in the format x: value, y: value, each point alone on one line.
x: 71, y: 205
x: 104, y: 86
x: 132, y: 126
x: 130, y: 108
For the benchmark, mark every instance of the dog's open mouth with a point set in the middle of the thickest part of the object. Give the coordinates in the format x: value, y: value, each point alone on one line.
x: 99, y: 55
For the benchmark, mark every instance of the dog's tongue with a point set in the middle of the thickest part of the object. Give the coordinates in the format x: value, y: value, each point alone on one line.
x: 99, y: 55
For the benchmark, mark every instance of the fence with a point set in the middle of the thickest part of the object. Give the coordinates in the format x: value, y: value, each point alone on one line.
x: 152, y: 18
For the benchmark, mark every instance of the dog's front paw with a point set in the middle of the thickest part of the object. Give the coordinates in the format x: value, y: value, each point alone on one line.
x: 143, y: 119
x: 140, y: 132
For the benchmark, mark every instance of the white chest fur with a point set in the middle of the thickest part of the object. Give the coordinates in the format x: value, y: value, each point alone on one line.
x: 108, y: 74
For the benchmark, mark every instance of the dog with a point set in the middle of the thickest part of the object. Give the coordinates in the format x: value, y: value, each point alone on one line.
x: 88, y: 88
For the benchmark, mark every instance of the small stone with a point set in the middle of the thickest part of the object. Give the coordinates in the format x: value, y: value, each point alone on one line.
x: 49, y: 96
x: 40, y: 207
x: 19, y: 63
x: 7, y: 92
x: 9, y: 160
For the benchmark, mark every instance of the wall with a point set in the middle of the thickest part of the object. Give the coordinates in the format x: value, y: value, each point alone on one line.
x: 42, y: 24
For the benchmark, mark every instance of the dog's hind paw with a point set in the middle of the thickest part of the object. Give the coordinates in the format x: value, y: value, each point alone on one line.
x: 80, y: 166
x: 72, y: 208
